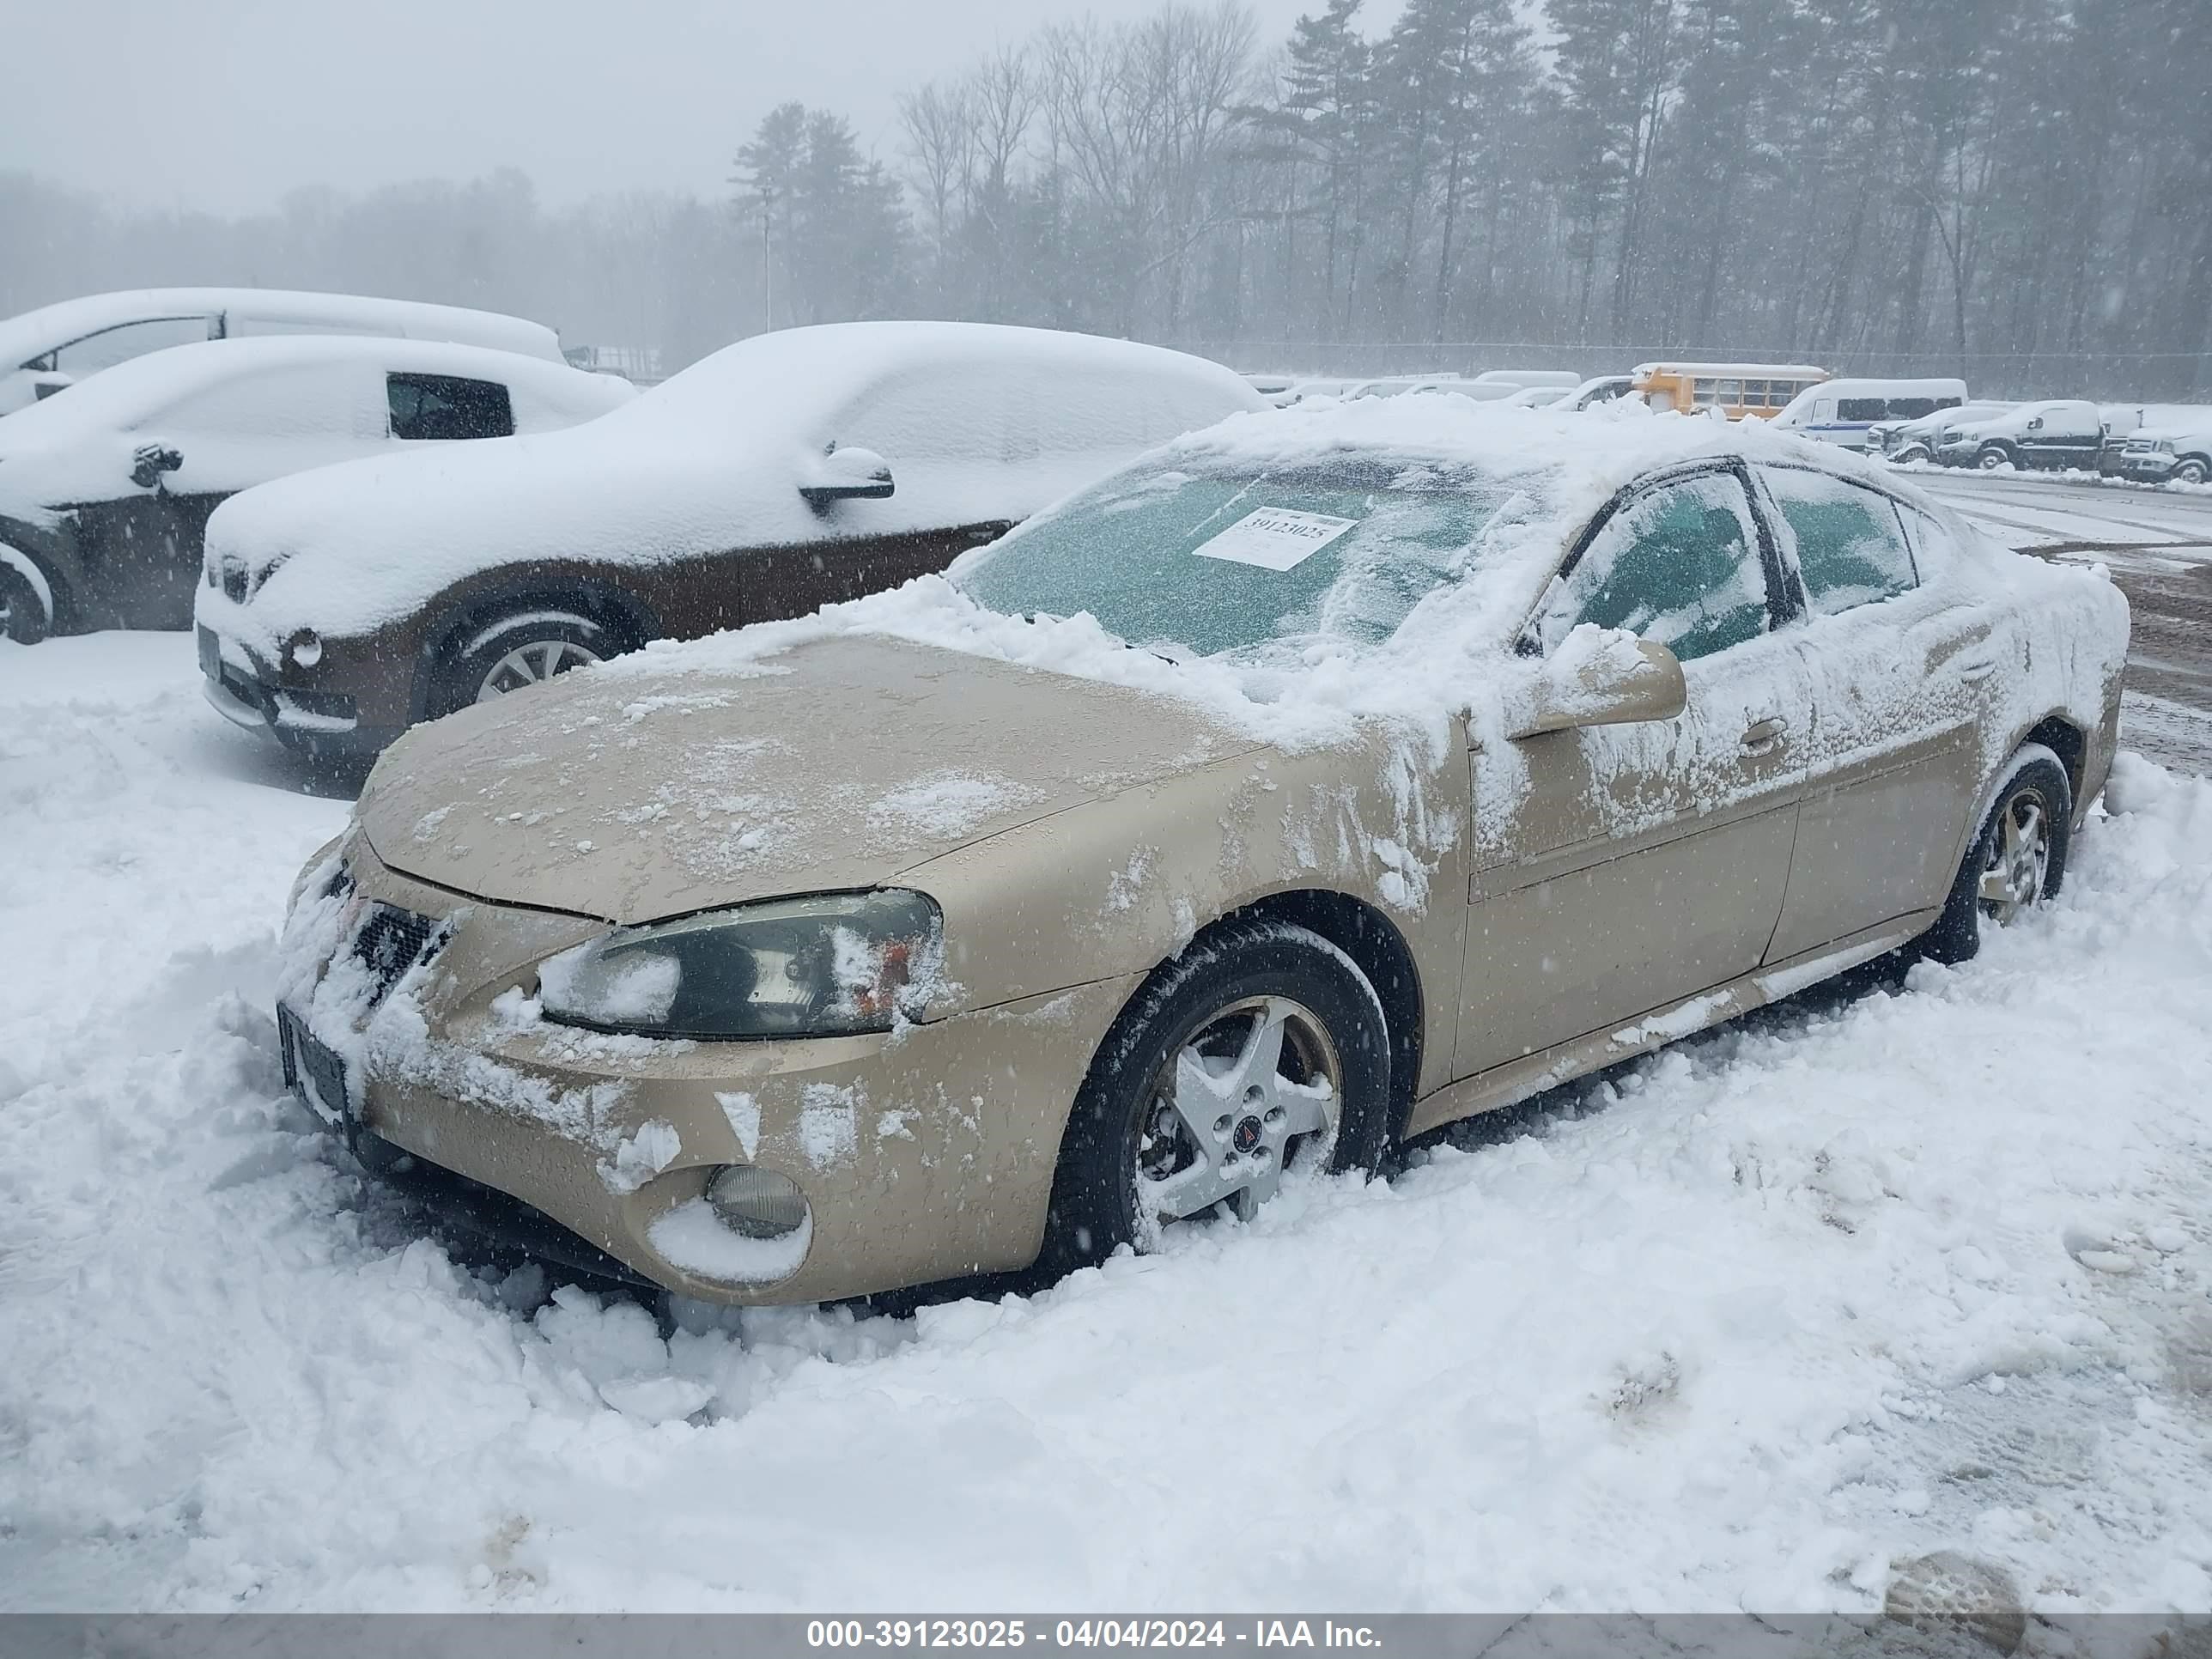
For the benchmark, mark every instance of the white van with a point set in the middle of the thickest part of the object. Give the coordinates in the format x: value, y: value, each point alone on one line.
x: 1841, y: 411
x: 45, y: 350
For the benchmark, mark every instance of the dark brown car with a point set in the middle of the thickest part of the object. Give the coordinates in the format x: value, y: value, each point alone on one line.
x: 785, y: 473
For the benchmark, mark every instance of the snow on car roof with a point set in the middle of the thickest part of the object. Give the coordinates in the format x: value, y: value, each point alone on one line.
x: 34, y: 333
x: 1937, y: 386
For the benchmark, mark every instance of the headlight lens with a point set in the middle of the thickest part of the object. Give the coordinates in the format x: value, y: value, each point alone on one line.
x: 830, y: 965
x: 305, y: 648
x: 757, y: 1203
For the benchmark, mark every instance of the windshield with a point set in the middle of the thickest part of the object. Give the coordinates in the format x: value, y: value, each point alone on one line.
x: 1206, y: 561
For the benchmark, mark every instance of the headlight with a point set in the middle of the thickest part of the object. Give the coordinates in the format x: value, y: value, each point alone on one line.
x: 305, y: 648
x: 827, y: 966
x: 2165, y: 446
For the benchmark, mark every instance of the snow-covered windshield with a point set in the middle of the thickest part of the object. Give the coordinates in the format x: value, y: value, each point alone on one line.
x: 1208, y: 561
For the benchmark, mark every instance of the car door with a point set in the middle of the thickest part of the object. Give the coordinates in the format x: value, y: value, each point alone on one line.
x: 1898, y: 683
x: 1619, y: 869
x: 143, y: 550
x: 946, y: 436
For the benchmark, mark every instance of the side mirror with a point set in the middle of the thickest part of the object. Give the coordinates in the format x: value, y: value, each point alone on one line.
x: 1598, y: 677
x: 150, y: 461
x: 847, y: 475
x: 2036, y: 425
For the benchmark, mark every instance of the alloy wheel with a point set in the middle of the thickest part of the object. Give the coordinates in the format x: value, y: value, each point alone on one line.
x: 2019, y: 857
x: 1228, y: 1110
x: 531, y: 663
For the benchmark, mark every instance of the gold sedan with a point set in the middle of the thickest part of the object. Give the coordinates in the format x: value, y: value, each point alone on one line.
x: 1329, y: 776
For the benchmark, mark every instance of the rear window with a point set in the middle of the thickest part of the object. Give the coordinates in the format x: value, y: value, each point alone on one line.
x: 447, y: 406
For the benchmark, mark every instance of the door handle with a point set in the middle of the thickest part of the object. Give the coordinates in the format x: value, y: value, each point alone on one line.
x: 1977, y: 668
x: 1764, y: 737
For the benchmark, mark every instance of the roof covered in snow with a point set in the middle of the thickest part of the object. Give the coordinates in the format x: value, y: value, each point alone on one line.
x: 34, y: 333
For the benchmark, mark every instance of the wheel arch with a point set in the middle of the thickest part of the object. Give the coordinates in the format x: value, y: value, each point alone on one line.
x: 2064, y: 739
x: 607, y: 603
x: 1373, y: 941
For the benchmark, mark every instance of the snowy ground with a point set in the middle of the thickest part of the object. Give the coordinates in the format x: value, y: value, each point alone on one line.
x: 1861, y: 1278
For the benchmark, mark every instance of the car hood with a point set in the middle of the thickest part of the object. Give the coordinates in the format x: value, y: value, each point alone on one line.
x: 632, y: 793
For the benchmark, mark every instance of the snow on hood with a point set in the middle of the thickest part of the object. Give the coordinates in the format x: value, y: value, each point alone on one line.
x: 709, y: 460
x: 652, y: 794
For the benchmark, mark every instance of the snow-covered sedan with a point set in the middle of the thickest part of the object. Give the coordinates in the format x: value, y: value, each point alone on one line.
x: 786, y: 471
x: 1319, y: 780
x: 105, y: 493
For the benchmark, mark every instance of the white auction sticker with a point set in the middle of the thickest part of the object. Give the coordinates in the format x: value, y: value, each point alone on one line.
x: 1274, y: 537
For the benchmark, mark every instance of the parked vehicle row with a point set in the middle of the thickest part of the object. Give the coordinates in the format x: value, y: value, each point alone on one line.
x: 1306, y: 784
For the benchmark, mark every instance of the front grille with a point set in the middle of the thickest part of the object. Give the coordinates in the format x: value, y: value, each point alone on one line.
x: 391, y: 941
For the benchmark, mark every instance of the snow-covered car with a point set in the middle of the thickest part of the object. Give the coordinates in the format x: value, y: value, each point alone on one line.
x: 1313, y: 782
x: 1915, y: 439
x: 2054, y: 433
x: 45, y: 350
x: 2161, y: 454
x: 1539, y: 396
x: 1599, y: 389
x: 786, y: 471
x: 1845, y: 412
x: 106, y: 495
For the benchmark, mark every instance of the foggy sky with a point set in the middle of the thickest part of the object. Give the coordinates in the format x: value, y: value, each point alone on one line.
x: 225, y: 105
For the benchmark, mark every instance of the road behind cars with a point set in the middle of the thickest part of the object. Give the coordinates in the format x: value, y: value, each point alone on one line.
x: 2158, y: 545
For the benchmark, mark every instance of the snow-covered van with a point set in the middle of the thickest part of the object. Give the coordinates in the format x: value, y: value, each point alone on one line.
x: 55, y: 346
x: 2058, y: 432
x: 1519, y: 378
x: 1844, y: 411
x: 787, y: 471
x: 105, y: 495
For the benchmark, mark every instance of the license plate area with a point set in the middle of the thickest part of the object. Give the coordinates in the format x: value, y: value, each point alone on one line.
x: 210, y: 654
x: 316, y: 1071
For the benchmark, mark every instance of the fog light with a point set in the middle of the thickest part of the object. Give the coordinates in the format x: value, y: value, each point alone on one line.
x: 305, y: 647
x: 757, y: 1203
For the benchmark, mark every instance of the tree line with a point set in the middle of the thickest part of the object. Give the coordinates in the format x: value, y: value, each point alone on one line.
x: 1934, y: 184
x: 2009, y: 189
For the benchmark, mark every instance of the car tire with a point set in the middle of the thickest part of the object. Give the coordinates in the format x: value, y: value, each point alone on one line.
x: 1133, y: 1162
x: 1990, y: 457
x: 1908, y: 453
x: 520, y: 649
x: 2034, y: 779
x: 27, y: 613
x: 2192, y: 469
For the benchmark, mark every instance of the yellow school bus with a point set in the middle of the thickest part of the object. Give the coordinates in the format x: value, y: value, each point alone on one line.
x: 1735, y: 388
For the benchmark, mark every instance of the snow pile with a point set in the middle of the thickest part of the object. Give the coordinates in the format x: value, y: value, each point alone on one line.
x: 1848, y: 1285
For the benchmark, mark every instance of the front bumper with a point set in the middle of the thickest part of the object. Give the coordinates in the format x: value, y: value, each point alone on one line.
x: 2142, y: 466
x: 923, y: 1156
x: 242, y: 691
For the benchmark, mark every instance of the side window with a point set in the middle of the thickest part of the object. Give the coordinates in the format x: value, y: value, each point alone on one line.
x: 447, y: 406
x: 934, y: 417
x: 1862, y: 408
x: 1850, y: 547
x: 116, y: 345
x: 1679, y: 565
x: 294, y: 402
